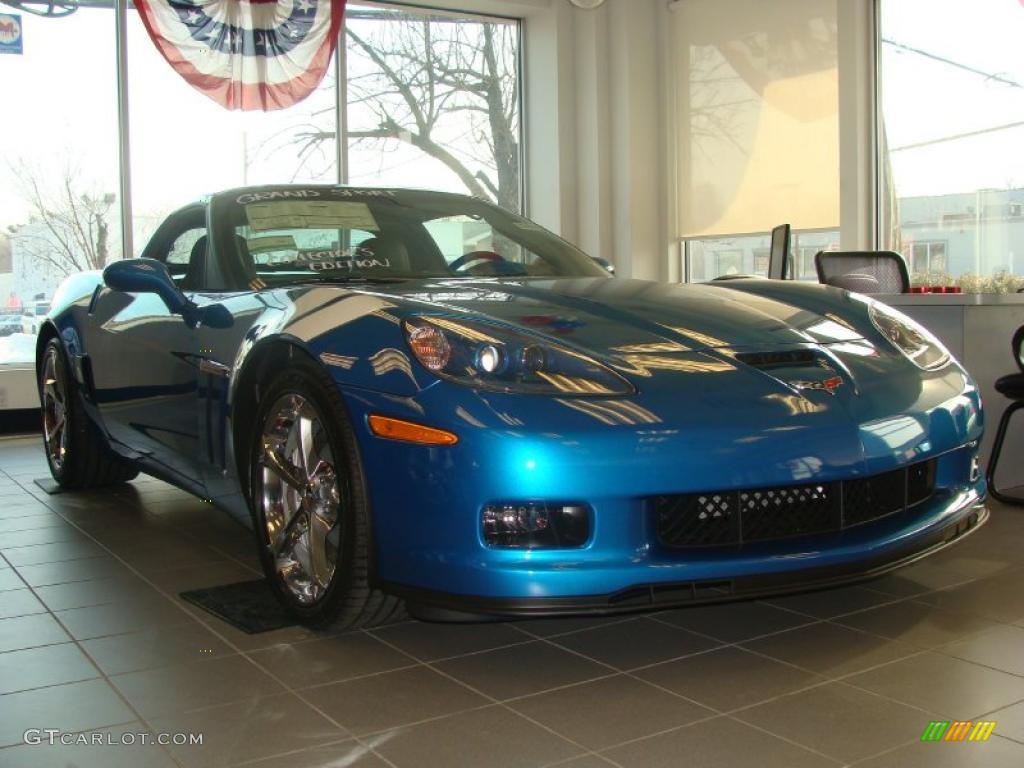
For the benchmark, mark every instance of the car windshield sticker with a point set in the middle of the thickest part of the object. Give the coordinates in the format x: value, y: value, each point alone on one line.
x: 348, y: 259
x: 310, y: 214
x: 307, y: 194
x: 271, y: 243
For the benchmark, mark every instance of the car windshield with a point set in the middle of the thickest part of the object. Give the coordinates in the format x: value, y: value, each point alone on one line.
x: 339, y: 234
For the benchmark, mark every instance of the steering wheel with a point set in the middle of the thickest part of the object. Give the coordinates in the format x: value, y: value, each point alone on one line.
x: 465, y: 262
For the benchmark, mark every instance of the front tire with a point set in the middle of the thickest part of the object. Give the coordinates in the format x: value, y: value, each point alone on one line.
x: 77, y: 455
x: 310, y: 504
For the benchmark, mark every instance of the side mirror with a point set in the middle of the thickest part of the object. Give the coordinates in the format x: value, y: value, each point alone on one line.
x: 146, y: 276
x: 606, y: 265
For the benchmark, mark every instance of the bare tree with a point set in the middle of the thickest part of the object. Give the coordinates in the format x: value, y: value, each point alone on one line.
x: 74, y: 235
x: 448, y: 87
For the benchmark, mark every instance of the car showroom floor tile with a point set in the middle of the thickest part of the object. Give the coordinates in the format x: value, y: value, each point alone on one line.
x: 635, y: 643
x: 715, y: 743
x: 94, y: 635
x: 994, y: 752
x: 729, y: 678
x: 391, y: 699
x: 951, y: 688
x: 839, y: 721
x: 494, y: 737
x: 607, y: 712
x: 522, y: 670
x: 44, y: 666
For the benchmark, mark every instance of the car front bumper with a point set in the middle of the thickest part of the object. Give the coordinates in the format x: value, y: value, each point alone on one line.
x: 670, y: 594
x: 427, y: 504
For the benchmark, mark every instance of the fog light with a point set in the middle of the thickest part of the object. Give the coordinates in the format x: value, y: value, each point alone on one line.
x: 536, y: 525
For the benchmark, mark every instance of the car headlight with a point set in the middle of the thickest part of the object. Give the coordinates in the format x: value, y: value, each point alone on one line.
x: 909, y: 337
x: 503, y: 359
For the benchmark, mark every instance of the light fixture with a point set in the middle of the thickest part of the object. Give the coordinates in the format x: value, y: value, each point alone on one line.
x: 587, y: 4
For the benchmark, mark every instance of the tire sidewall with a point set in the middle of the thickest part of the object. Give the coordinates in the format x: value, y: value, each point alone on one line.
x: 72, y: 419
x: 305, y: 380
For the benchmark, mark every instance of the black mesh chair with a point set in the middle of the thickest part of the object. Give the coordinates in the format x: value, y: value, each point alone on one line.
x: 1011, y: 386
x: 863, y: 271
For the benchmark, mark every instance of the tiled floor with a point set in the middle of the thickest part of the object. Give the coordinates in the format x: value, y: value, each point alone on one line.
x: 94, y: 640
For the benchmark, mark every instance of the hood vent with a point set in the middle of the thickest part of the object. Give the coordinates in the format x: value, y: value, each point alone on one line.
x: 782, y: 359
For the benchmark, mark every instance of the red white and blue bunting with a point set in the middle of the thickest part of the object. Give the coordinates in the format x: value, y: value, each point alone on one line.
x: 246, y: 54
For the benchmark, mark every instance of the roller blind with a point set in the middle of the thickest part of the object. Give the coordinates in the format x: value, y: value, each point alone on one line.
x: 758, y: 115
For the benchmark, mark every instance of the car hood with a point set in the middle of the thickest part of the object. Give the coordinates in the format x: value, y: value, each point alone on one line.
x: 612, y: 316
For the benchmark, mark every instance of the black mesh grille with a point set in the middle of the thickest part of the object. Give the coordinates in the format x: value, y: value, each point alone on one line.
x: 873, y: 497
x: 773, y: 513
x: 723, y: 518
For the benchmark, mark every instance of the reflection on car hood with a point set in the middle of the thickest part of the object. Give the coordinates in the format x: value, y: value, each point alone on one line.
x: 618, y: 315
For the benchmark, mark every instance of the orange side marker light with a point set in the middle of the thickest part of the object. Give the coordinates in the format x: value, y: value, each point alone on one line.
x: 408, y: 432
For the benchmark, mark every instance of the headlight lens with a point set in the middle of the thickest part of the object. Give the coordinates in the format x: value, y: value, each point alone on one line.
x: 503, y: 359
x: 913, y: 340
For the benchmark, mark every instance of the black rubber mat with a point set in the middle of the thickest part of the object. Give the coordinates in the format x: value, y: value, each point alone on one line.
x: 49, y: 485
x: 251, y: 606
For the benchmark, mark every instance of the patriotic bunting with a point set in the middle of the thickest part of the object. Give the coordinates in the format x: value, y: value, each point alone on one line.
x: 246, y: 54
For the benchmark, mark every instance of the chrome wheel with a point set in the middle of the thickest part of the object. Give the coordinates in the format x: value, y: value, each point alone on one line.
x: 300, y: 498
x: 55, y: 410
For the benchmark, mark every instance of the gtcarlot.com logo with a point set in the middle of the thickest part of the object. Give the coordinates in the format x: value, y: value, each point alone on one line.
x: 958, y: 730
x: 55, y: 736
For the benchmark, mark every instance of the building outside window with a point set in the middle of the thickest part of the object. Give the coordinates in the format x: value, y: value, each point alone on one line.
x: 928, y: 256
x: 952, y: 109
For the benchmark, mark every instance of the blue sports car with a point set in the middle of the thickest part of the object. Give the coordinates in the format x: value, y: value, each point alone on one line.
x: 418, y: 398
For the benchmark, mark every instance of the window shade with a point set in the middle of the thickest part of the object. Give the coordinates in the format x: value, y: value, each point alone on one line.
x: 758, y: 115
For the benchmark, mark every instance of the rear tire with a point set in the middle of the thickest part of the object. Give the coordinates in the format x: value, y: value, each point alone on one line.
x: 77, y: 454
x: 310, y: 504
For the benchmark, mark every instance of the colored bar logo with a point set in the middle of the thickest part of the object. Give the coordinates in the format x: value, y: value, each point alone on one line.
x: 958, y: 730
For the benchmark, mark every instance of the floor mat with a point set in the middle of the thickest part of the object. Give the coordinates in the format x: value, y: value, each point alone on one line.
x: 251, y: 606
x: 49, y: 485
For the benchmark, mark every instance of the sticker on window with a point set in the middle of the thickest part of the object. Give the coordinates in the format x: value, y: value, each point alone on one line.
x: 271, y: 243
x: 310, y: 214
x: 350, y: 264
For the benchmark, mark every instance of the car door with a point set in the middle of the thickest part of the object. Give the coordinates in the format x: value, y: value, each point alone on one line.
x: 144, y: 357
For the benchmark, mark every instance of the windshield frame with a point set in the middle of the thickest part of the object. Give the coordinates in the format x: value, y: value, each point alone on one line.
x: 563, y: 258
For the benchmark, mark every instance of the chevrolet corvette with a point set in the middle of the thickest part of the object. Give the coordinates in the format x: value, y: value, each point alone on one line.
x: 419, y: 399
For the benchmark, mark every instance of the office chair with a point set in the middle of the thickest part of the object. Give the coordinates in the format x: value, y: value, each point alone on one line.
x: 1011, y: 386
x: 863, y: 271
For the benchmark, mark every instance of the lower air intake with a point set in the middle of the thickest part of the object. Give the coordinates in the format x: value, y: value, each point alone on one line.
x: 732, y: 518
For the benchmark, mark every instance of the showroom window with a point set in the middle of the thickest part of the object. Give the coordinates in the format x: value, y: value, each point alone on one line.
x: 451, y: 122
x: 184, y: 145
x: 433, y: 101
x: 707, y: 258
x: 952, y: 108
x: 758, y: 130
x: 59, y: 210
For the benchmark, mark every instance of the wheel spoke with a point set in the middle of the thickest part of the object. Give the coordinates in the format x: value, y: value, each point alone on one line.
x: 277, y: 544
x: 280, y: 466
x: 305, y: 441
x: 321, y: 567
x: 54, y: 430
